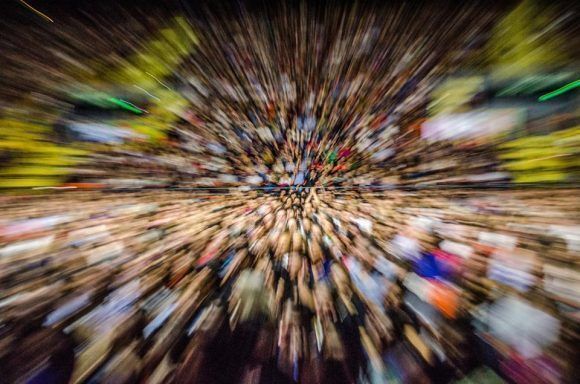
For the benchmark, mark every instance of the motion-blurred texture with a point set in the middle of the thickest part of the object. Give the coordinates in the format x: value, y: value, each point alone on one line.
x: 289, y: 192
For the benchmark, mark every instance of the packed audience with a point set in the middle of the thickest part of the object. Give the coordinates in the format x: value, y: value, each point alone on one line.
x: 299, y: 285
x: 274, y: 96
x: 262, y: 205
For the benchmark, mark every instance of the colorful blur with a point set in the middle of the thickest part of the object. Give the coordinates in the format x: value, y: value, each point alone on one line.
x: 289, y: 192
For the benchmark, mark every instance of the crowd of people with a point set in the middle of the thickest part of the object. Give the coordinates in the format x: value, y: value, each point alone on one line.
x: 277, y: 96
x: 299, y: 285
x: 263, y: 203
x: 282, y: 95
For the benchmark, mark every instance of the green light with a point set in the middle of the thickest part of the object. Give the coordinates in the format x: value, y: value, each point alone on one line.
x: 125, y: 105
x: 559, y: 91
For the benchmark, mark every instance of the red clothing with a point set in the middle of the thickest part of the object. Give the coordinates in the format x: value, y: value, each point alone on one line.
x: 345, y: 152
x: 448, y: 262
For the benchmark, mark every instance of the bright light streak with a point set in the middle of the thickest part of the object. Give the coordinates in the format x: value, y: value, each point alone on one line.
x: 125, y: 105
x: 159, y: 81
x: 36, y: 11
x: 128, y: 102
x: 148, y: 93
x: 559, y: 91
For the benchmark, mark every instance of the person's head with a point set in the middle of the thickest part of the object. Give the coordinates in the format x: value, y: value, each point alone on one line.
x: 395, y: 296
x: 295, y: 262
x: 340, y: 277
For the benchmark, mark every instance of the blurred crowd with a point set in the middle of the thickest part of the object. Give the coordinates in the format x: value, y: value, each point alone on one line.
x: 282, y: 96
x: 299, y: 285
x: 299, y: 192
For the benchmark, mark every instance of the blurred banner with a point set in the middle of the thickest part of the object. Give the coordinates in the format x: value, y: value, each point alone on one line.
x: 126, y: 105
x: 526, y: 41
x: 478, y: 125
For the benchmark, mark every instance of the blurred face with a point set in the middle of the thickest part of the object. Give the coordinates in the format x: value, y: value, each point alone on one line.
x: 294, y: 264
x: 339, y: 277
